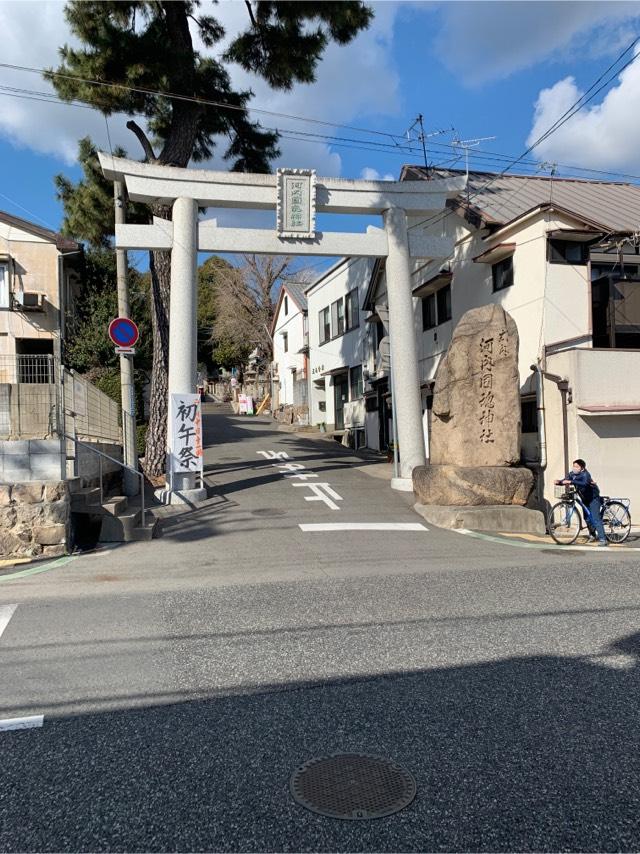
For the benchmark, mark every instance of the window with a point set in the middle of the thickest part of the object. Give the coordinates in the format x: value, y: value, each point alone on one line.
x: 5, y: 298
x: 285, y: 342
x: 436, y: 308
x: 443, y: 298
x: 286, y: 305
x: 353, y: 310
x: 567, y: 252
x: 337, y: 317
x: 616, y: 312
x: 325, y: 325
x: 356, y: 382
x: 429, y: 312
x: 529, y: 416
x: 502, y: 274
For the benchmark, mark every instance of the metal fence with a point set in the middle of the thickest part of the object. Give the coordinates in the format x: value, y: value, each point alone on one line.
x: 88, y: 412
x: 29, y: 398
x: 38, y: 399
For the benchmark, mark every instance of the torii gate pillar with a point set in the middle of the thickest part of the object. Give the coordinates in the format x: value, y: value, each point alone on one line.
x: 183, y: 306
x: 406, y: 403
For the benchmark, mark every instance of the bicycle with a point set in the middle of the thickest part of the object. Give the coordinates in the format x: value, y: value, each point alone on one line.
x: 565, y: 518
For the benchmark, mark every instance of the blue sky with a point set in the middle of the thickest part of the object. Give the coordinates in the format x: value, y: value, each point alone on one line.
x: 488, y: 69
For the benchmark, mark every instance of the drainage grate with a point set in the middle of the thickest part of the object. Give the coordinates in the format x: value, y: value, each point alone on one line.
x: 352, y: 786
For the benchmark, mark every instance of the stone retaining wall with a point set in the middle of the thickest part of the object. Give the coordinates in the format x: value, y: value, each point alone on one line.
x: 34, y: 518
x: 293, y: 414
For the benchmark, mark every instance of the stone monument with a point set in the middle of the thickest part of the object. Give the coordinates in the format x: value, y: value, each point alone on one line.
x: 475, y: 431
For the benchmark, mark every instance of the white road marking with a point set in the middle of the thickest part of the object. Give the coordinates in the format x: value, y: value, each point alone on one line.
x: 363, y: 526
x: 6, y: 612
x: 30, y: 722
x: 321, y: 492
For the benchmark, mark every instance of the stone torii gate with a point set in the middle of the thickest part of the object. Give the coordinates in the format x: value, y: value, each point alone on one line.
x: 296, y: 195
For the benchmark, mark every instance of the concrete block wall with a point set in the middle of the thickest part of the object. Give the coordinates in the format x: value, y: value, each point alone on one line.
x: 25, y: 460
x: 88, y: 463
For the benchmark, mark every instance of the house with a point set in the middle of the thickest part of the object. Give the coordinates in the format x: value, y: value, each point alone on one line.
x: 339, y: 344
x: 289, y: 332
x: 39, y: 270
x: 561, y: 256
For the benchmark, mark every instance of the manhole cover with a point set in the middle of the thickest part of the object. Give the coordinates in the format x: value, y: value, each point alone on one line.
x: 352, y: 786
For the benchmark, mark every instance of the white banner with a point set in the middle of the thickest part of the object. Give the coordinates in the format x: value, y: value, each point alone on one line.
x: 185, y: 438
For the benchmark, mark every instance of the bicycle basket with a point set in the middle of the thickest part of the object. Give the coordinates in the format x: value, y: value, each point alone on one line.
x: 563, y: 491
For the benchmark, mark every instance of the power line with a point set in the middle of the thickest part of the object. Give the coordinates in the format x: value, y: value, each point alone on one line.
x: 400, y: 149
x: 568, y: 114
x: 192, y: 99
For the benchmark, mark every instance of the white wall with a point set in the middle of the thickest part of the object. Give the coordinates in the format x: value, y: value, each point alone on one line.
x: 609, y: 443
x: 549, y: 302
x: 554, y: 297
x: 347, y: 350
x: 293, y: 325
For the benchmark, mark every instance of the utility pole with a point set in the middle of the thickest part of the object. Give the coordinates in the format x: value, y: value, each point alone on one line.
x: 127, y: 387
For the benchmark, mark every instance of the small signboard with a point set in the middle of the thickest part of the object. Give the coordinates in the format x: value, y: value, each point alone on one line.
x: 185, y: 437
x: 245, y: 404
x: 124, y: 333
x: 296, y: 204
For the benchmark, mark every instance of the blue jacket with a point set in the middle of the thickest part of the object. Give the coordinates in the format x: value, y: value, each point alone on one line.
x: 584, y: 486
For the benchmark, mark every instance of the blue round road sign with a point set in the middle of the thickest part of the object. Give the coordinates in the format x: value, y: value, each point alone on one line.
x: 123, y: 332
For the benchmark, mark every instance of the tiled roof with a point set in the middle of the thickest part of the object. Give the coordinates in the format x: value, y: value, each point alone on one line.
x: 61, y: 242
x: 297, y: 294
x: 611, y: 205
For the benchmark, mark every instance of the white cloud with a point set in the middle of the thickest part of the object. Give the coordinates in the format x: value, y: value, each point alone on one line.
x: 603, y: 136
x: 482, y: 41
x: 354, y: 82
x: 370, y: 174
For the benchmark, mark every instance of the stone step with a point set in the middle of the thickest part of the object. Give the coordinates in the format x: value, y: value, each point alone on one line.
x: 149, y: 533
x: 119, y: 529
x: 74, y: 484
x: 116, y: 505
x: 86, y: 499
x: 127, y: 528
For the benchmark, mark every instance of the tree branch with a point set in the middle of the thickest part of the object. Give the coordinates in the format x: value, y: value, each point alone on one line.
x: 144, y: 142
x: 247, y: 3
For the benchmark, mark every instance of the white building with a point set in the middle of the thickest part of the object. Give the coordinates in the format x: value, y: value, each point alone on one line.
x: 542, y: 249
x: 289, y: 331
x: 338, y: 340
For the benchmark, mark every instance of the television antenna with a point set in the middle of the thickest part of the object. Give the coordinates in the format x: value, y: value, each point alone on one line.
x: 466, y: 145
x: 416, y: 133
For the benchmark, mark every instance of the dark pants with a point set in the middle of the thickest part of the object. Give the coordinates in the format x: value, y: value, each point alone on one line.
x: 596, y: 525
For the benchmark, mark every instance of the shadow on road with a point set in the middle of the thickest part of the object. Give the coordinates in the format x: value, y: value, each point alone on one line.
x: 525, y: 754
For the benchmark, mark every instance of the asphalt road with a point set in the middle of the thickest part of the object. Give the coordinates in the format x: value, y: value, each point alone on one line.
x: 182, y: 681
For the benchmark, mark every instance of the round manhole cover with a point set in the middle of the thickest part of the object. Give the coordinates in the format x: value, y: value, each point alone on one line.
x: 352, y: 786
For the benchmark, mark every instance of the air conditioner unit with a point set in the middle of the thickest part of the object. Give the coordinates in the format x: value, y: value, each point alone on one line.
x: 30, y: 300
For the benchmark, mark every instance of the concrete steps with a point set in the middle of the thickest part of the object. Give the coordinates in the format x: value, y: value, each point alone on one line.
x: 120, y: 523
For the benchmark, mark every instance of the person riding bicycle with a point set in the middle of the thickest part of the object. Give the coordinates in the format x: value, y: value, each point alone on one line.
x: 588, y: 491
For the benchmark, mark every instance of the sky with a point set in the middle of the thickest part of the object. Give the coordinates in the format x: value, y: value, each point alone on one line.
x: 504, y: 70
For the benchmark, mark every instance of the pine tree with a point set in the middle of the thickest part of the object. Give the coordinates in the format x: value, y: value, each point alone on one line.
x: 147, y: 45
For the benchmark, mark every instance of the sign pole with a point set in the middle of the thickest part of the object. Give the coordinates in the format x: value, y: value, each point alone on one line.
x: 127, y: 388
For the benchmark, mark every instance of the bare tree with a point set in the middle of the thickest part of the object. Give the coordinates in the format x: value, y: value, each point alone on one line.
x: 246, y: 300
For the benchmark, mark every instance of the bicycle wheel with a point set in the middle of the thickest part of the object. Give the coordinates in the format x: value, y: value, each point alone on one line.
x: 616, y: 521
x: 564, y: 523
